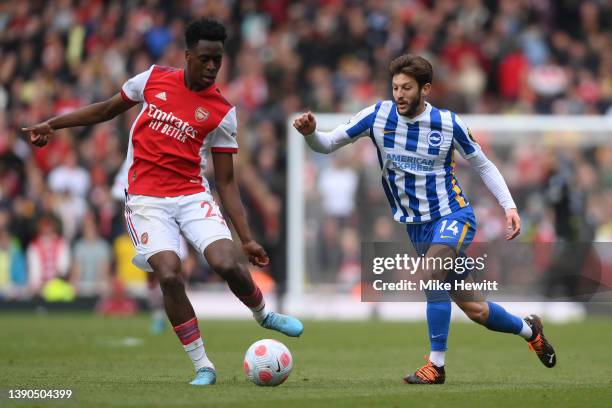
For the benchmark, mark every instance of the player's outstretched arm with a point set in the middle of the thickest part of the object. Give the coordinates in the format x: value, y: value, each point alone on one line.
x: 496, y: 184
x: 327, y: 142
x: 320, y: 142
x: 306, y: 124
x: 88, y: 115
x: 230, y: 199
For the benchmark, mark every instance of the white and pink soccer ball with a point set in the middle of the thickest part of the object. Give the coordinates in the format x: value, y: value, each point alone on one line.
x: 268, y: 362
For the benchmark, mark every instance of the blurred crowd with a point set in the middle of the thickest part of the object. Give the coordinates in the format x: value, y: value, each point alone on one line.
x: 57, y: 214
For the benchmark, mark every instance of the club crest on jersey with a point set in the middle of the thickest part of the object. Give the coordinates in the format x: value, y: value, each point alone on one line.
x: 201, y: 114
x: 144, y: 238
x: 435, y: 138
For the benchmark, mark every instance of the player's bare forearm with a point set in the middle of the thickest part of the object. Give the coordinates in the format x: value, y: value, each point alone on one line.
x: 92, y: 114
x: 230, y: 200
x: 230, y: 194
x: 88, y: 115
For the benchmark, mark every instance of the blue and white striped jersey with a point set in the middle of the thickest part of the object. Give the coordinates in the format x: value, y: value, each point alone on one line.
x: 416, y: 158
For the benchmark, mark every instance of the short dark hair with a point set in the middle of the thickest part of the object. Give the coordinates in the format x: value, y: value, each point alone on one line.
x: 204, y: 29
x: 412, y: 65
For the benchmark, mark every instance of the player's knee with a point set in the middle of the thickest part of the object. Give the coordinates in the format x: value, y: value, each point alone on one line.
x: 172, y: 284
x: 228, y: 269
x: 167, y: 269
x: 433, y: 274
x: 169, y: 277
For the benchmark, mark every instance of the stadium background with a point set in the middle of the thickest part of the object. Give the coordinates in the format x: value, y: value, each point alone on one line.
x: 490, y: 57
x: 505, y: 57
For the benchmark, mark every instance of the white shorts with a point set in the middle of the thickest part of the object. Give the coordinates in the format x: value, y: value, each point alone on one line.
x: 155, y: 224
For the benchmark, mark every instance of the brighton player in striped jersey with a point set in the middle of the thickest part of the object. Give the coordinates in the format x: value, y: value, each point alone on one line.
x: 415, y: 143
x: 183, y: 116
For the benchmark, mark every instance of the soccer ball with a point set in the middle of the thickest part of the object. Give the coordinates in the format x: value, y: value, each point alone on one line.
x: 268, y: 362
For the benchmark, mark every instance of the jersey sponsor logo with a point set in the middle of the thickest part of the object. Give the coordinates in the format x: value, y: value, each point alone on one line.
x: 201, y: 114
x: 435, y: 138
x: 170, y: 125
x: 407, y: 163
x: 162, y: 96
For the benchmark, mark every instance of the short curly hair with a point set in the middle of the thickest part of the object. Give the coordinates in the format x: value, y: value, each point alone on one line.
x: 413, y: 65
x: 204, y: 29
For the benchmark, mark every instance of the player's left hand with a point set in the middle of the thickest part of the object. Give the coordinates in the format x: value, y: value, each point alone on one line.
x: 256, y: 254
x: 39, y: 133
x: 513, y: 223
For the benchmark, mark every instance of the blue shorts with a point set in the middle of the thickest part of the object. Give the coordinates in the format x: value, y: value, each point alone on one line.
x: 455, y: 230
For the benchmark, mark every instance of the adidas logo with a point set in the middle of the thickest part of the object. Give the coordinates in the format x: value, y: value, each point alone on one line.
x: 161, y: 95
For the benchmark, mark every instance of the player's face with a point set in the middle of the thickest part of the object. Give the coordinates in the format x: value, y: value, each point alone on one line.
x: 204, y: 62
x: 408, y: 96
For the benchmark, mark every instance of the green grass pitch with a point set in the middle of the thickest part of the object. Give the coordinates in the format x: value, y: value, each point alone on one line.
x: 337, y: 364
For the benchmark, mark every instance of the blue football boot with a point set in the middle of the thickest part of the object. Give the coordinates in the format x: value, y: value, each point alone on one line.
x: 285, y: 324
x: 205, y: 376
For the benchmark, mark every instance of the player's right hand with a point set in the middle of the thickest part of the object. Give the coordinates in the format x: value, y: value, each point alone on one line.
x: 513, y: 223
x: 256, y: 254
x: 305, y: 123
x: 40, y: 133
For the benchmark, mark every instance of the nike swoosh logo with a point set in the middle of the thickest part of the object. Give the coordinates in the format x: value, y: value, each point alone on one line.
x: 446, y: 236
x: 278, y: 369
x: 550, y: 360
x: 386, y: 132
x: 436, y: 336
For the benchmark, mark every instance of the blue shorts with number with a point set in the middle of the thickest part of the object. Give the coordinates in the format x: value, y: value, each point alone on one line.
x: 455, y: 230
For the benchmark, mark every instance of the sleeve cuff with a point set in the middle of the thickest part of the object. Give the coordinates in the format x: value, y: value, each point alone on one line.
x: 232, y: 150
x: 127, y: 98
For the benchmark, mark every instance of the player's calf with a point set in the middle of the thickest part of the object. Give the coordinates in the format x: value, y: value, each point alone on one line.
x: 237, y: 277
x: 477, y: 311
x: 222, y: 259
x: 242, y: 286
x: 166, y: 266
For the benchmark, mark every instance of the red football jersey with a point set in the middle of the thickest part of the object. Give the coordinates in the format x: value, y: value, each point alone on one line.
x: 169, y: 139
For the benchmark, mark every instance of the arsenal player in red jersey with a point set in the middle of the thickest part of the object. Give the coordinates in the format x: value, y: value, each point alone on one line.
x: 183, y: 115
